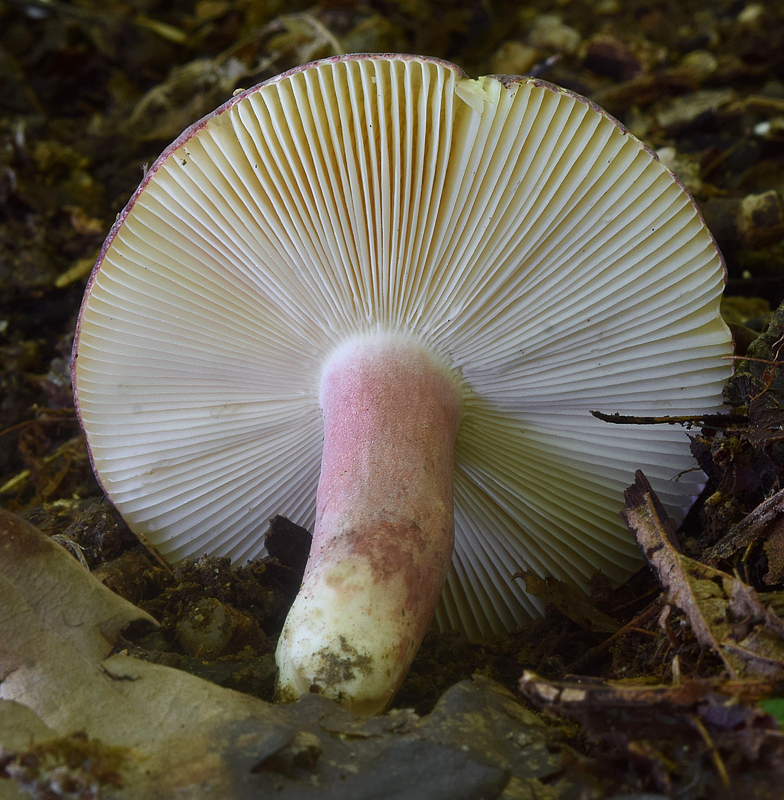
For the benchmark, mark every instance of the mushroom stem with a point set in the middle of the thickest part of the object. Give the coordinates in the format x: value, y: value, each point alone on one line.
x: 384, y: 529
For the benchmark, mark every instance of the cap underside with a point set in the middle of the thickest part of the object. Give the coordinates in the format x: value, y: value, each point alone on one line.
x: 520, y: 233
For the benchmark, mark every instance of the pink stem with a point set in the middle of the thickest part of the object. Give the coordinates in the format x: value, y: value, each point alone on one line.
x: 384, y: 523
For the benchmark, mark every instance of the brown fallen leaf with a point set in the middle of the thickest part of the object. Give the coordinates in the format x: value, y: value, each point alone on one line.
x: 765, y: 523
x: 57, y: 630
x: 725, y: 614
x: 571, y: 602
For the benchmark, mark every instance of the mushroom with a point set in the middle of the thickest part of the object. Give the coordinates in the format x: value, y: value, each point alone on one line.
x: 372, y: 293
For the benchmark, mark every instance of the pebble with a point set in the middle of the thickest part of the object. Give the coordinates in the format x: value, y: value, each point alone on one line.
x: 548, y: 32
x: 760, y: 220
x: 513, y: 58
x: 680, y: 111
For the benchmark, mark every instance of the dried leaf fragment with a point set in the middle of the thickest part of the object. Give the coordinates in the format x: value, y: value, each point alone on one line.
x: 764, y: 524
x: 571, y: 602
x: 725, y: 614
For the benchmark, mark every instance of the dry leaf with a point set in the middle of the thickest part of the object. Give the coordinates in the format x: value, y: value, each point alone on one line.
x: 725, y: 614
x: 571, y: 602
x: 764, y: 523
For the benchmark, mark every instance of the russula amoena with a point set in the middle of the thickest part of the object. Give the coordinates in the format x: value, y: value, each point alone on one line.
x: 435, y: 279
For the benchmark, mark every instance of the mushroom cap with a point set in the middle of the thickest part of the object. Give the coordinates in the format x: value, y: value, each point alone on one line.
x: 512, y: 227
